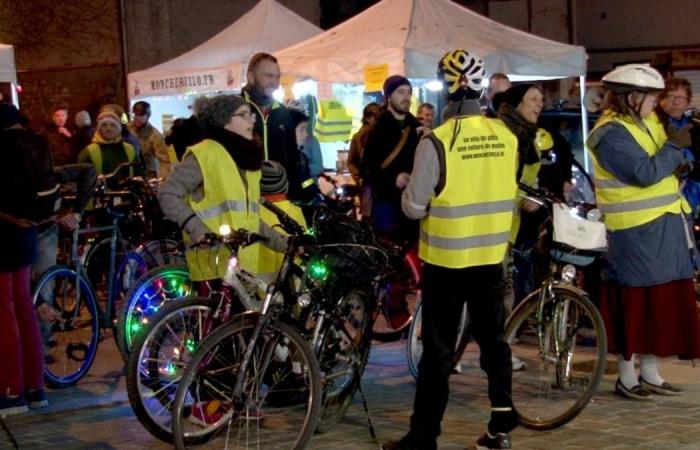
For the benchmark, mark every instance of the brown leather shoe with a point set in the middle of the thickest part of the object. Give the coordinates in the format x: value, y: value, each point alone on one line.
x: 636, y: 392
x: 662, y: 389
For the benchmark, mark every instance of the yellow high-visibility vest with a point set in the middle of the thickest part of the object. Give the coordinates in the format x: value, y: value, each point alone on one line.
x: 469, y: 222
x: 96, y: 156
x: 267, y: 262
x: 333, y: 123
x: 227, y: 201
x: 624, y: 205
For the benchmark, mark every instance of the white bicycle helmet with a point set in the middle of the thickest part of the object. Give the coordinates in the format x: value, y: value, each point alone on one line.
x: 634, y: 77
x: 461, y: 70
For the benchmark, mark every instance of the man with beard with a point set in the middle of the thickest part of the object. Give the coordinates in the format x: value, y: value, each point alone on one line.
x: 274, y: 129
x: 58, y: 136
x: 388, y: 160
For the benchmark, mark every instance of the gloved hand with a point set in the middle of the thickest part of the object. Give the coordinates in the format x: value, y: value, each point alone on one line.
x: 680, y: 137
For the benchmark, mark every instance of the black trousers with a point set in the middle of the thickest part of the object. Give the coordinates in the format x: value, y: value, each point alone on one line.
x: 444, y: 293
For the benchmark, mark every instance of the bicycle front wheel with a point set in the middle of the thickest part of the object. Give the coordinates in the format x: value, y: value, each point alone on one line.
x: 281, y: 399
x: 159, y: 357
x: 562, y: 342
x: 148, y: 294
x: 72, y: 340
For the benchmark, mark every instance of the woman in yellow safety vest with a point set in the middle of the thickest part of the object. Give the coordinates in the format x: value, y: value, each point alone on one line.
x: 218, y: 183
x: 647, y: 298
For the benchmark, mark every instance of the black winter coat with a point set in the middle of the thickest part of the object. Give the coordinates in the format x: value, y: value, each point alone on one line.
x: 281, y: 142
x: 381, y: 141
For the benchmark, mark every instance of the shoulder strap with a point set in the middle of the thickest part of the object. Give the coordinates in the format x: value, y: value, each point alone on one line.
x: 394, y: 153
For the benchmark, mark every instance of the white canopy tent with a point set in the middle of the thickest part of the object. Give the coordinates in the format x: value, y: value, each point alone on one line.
x: 220, y: 63
x: 8, y: 70
x: 412, y: 35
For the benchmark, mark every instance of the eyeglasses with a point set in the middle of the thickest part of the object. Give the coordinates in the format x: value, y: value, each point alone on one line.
x: 247, y: 115
x: 677, y: 98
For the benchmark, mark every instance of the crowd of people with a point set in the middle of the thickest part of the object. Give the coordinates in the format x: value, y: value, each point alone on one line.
x: 424, y: 182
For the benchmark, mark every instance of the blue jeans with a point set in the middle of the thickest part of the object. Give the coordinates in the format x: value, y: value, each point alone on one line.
x: 48, y: 248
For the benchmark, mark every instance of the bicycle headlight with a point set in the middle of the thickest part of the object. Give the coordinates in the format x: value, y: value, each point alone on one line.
x: 568, y: 273
x: 594, y: 215
x: 225, y: 230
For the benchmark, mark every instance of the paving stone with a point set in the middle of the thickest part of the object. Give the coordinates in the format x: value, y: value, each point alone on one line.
x: 96, y: 414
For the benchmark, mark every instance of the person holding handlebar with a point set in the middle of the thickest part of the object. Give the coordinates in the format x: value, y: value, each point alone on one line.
x: 218, y: 183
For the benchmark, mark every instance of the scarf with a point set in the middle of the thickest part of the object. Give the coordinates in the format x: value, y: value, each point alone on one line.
x: 245, y: 153
x: 525, y: 132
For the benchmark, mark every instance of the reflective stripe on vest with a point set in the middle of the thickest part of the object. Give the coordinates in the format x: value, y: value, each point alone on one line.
x: 96, y: 156
x: 267, y: 262
x: 227, y: 201
x: 333, y: 123
x: 626, y: 206
x: 469, y: 222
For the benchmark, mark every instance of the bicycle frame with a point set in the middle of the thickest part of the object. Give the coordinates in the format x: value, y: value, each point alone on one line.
x: 106, y: 316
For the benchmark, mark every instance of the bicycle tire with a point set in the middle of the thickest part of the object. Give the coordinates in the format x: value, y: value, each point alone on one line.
x: 87, y: 318
x: 396, y: 311
x: 337, y: 396
x: 149, y: 293
x: 414, y: 346
x: 232, y: 339
x: 559, y: 388
x: 157, y: 359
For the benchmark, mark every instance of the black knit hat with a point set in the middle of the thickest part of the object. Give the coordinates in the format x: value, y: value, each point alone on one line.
x: 393, y: 83
x: 513, y: 96
x: 9, y: 115
x: 273, y: 179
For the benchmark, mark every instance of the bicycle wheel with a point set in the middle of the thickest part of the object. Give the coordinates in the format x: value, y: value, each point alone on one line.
x: 158, y: 358
x: 414, y: 346
x: 563, y: 345
x: 398, y: 305
x: 145, y: 298
x: 281, y: 399
x: 75, y: 337
x: 342, y: 355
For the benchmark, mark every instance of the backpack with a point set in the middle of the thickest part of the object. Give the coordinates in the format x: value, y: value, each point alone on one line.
x: 27, y: 175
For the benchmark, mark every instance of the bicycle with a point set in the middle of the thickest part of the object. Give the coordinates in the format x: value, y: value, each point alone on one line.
x: 253, y: 371
x: 557, y: 331
x: 175, y: 329
x: 76, y: 335
x: 396, y: 304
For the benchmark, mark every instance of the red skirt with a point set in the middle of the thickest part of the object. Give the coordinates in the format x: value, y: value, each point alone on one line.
x: 662, y: 320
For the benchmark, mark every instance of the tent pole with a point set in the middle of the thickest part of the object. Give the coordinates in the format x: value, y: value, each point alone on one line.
x: 584, y: 123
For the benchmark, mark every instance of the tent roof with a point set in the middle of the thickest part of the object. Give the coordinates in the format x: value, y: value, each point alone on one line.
x: 267, y: 27
x: 412, y: 35
x: 8, y: 71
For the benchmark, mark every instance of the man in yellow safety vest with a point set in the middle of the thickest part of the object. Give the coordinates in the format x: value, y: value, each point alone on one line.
x: 463, y: 189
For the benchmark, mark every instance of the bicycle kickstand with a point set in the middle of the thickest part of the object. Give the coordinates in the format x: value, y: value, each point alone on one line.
x: 370, y: 426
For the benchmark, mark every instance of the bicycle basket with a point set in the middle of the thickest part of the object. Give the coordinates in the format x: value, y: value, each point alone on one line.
x: 577, y: 232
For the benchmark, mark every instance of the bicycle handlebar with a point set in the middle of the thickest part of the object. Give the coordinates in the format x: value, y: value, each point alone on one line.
x: 106, y: 176
x: 290, y: 225
x: 234, y: 240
